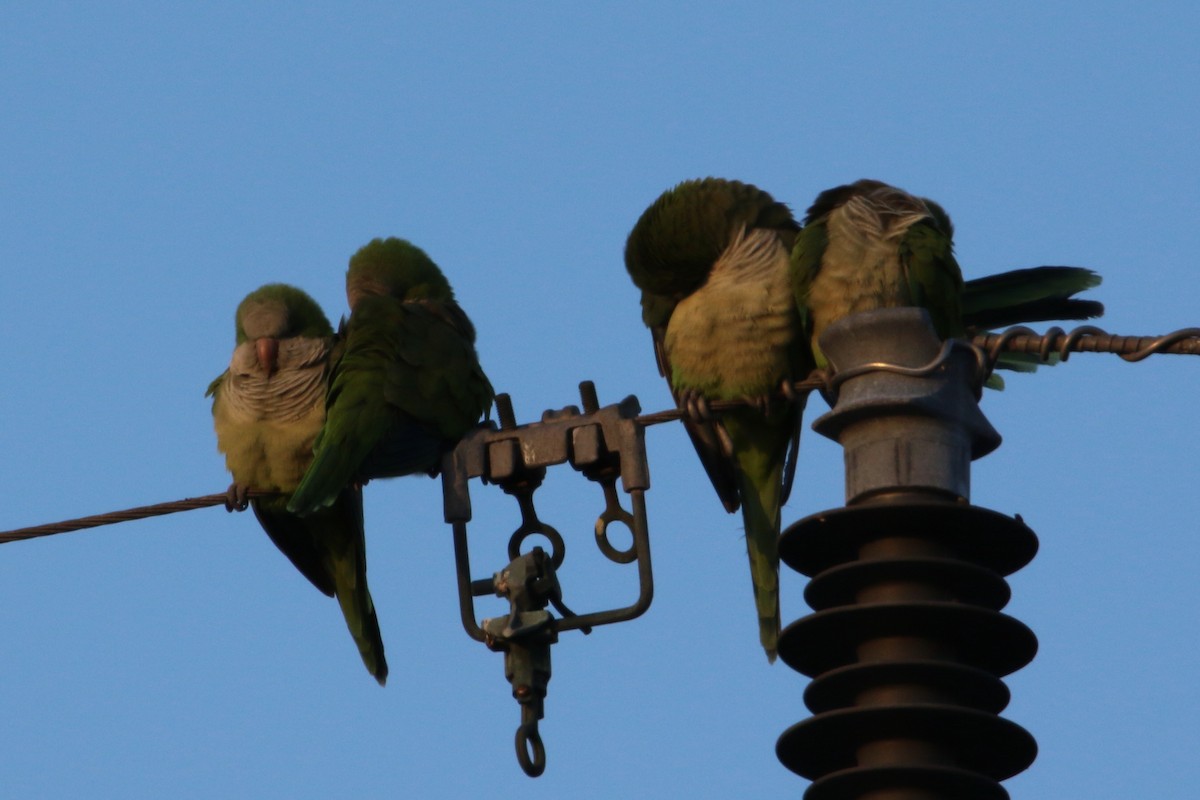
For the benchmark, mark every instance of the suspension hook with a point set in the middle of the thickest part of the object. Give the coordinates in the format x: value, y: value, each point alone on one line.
x: 525, y: 636
x: 528, y: 738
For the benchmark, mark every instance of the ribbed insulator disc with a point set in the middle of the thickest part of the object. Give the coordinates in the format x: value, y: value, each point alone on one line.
x: 1001, y: 543
x: 901, y: 783
x: 970, y: 740
x: 959, y: 581
x: 974, y: 636
x: 952, y: 683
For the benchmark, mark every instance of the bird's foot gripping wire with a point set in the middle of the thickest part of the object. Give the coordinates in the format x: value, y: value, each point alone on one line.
x: 759, y: 402
x: 236, y: 498
x: 694, y: 405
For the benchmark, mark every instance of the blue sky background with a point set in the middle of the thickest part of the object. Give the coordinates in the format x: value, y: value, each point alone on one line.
x: 157, y: 163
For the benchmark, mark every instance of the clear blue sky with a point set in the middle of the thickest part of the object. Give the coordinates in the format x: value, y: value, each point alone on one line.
x: 159, y: 163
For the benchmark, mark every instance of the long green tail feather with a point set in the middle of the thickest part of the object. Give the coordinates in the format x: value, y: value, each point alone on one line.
x: 1023, y: 296
x: 760, y: 449
x: 348, y: 568
x: 359, y: 611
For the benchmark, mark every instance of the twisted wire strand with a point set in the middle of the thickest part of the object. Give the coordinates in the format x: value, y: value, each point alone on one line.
x: 1088, y: 339
x: 125, y: 515
x: 1055, y: 342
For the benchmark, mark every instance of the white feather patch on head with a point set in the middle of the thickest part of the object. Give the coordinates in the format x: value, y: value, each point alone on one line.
x: 751, y: 256
x: 884, y: 214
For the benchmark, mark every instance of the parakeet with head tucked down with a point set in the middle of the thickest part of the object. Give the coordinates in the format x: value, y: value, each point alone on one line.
x: 868, y: 245
x: 735, y: 294
x: 268, y: 407
x: 711, y: 259
x: 408, y: 384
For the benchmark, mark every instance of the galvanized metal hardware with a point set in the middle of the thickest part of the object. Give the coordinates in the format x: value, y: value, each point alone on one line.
x: 525, y: 636
x: 907, y: 645
x: 605, y: 445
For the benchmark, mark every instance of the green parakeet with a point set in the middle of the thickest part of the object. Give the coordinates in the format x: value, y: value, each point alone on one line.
x: 868, y: 245
x: 268, y: 407
x: 408, y: 385
x: 711, y: 259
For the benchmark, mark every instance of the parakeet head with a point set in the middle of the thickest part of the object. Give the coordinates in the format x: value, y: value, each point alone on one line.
x: 274, y: 312
x: 279, y: 311
x: 674, y: 244
x: 395, y: 268
x: 884, y: 200
x: 830, y: 199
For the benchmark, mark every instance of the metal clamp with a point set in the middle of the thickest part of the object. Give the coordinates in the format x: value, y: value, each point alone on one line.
x: 525, y: 636
x: 605, y: 445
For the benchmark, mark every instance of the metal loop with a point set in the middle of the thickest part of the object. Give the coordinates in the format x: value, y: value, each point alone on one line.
x: 1073, y: 338
x: 558, y: 548
x: 532, y: 526
x: 1048, y: 343
x: 1004, y: 338
x: 614, y: 512
x: 527, y: 735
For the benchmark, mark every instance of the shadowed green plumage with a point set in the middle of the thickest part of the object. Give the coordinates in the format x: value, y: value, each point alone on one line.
x: 735, y: 294
x: 267, y: 409
x: 711, y: 259
x: 408, y: 384
x: 867, y: 245
x: 1024, y: 296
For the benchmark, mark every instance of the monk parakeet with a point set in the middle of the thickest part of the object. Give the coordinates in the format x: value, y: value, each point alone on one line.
x: 711, y: 259
x: 868, y: 245
x: 408, y: 384
x: 268, y: 407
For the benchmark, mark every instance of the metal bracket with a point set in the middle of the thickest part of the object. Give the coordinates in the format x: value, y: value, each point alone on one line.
x: 602, y: 443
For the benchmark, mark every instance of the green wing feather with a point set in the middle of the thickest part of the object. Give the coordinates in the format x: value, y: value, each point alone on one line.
x: 408, y: 385
x: 806, y: 258
x: 704, y: 436
x: 934, y: 278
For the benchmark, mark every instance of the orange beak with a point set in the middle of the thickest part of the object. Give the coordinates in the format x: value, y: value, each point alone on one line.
x: 268, y: 351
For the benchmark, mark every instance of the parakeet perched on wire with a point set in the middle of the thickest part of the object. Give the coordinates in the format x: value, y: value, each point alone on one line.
x: 407, y: 385
x: 735, y: 294
x: 711, y: 259
x: 868, y: 245
x: 268, y: 407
